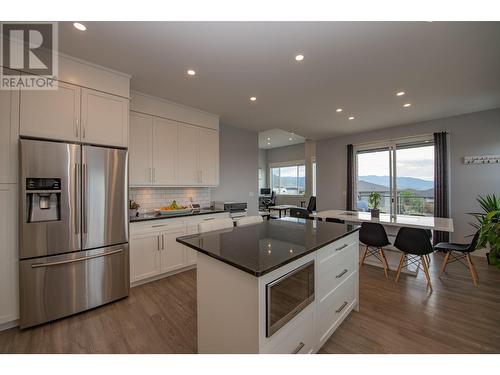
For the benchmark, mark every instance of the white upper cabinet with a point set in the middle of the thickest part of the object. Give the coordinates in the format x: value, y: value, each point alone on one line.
x: 140, y: 154
x: 189, y: 173
x: 208, y: 156
x: 52, y: 114
x: 9, y: 128
x: 104, y: 118
x: 165, y: 151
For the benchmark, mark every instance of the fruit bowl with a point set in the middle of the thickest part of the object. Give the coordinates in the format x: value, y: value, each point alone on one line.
x: 173, y: 211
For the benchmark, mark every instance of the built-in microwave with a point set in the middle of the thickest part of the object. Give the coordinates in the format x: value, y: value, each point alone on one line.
x: 288, y: 295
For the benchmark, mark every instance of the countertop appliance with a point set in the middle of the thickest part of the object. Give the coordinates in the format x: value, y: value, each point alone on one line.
x: 236, y: 209
x: 287, y: 296
x: 73, y: 220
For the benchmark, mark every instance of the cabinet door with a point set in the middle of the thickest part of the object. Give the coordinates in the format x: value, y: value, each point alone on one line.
x: 145, y: 256
x: 165, y: 151
x: 9, y: 303
x: 208, y: 157
x: 9, y: 128
x: 173, y: 255
x: 140, y: 154
x: 104, y: 118
x: 190, y: 253
x: 51, y: 114
x: 188, y: 155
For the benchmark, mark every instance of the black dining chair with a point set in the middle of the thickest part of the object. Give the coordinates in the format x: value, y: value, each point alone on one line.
x: 463, y: 251
x: 415, y: 244
x: 374, y: 237
x: 311, y: 206
x: 300, y: 212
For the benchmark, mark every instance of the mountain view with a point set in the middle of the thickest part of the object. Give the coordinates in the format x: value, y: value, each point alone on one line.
x: 402, y: 182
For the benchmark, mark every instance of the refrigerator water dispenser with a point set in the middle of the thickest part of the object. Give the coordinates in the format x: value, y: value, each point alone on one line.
x: 43, y: 196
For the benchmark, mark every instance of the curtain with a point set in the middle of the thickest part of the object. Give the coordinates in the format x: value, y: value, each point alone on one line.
x: 350, y: 187
x: 441, y: 203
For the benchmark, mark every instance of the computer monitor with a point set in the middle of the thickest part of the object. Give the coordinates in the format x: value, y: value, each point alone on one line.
x: 265, y: 191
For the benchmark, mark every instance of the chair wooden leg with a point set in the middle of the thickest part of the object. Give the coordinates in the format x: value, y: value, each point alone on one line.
x: 384, y: 263
x: 426, y: 271
x: 364, y: 256
x: 472, y: 270
x: 400, y: 267
x: 445, y: 263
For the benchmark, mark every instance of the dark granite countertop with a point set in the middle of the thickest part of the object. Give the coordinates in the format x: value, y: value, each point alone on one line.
x: 261, y: 248
x: 157, y: 216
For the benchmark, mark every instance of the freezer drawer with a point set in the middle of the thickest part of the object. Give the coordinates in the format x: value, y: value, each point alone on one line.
x: 57, y: 286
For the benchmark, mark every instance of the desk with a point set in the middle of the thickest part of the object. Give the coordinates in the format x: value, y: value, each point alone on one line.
x: 282, y: 207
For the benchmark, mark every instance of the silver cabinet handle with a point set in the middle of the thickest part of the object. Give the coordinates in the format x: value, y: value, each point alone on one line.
x: 341, y: 274
x: 341, y: 247
x: 38, y: 265
x: 297, y: 349
x: 162, y: 242
x: 341, y: 307
x: 150, y: 175
x: 76, y: 127
x: 158, y: 245
x: 158, y: 225
x: 154, y: 174
x: 210, y: 218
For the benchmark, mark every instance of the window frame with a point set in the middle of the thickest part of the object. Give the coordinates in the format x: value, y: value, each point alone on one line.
x: 391, y: 146
x: 294, y: 163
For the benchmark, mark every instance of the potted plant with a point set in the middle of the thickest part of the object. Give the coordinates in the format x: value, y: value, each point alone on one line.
x: 374, y: 204
x: 488, y: 224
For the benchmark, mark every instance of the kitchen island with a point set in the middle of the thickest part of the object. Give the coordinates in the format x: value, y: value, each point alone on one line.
x: 282, y: 286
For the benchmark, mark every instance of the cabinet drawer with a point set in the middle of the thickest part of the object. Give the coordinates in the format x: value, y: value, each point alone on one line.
x: 338, y: 247
x: 157, y: 226
x: 336, y: 268
x: 295, y: 338
x: 334, y: 308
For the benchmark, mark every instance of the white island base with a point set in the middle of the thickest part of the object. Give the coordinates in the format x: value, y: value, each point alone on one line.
x: 232, y: 303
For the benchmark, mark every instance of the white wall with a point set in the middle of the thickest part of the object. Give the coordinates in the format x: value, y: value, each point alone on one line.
x: 471, y: 134
x: 239, y: 165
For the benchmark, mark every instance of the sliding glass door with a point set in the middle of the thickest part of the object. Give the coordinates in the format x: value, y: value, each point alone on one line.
x: 401, y: 171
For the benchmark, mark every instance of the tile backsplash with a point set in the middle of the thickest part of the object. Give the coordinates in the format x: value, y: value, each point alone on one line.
x: 150, y: 198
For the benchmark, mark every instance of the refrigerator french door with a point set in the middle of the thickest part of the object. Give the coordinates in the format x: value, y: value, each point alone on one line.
x: 73, y: 229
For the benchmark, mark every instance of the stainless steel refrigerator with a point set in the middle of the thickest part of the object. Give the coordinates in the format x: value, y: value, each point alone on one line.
x: 73, y: 244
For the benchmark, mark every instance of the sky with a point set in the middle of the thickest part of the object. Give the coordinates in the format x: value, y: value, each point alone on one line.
x: 413, y: 162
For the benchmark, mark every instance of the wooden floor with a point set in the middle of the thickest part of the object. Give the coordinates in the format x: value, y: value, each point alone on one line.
x: 160, y: 317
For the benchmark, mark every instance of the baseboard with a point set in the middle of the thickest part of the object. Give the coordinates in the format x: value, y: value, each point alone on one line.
x: 9, y: 325
x: 162, y: 276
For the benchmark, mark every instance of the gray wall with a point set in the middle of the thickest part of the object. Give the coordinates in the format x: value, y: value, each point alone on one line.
x: 239, y: 158
x: 471, y: 134
x: 263, y: 166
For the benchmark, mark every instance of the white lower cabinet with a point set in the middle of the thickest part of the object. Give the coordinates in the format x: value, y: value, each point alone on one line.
x: 154, y: 249
x: 9, y: 300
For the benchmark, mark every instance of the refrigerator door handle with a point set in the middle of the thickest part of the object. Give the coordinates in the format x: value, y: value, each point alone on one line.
x: 38, y: 265
x: 84, y: 194
x: 75, y: 212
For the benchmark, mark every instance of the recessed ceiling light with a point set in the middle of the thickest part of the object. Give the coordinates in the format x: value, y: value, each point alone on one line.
x: 79, y: 26
x: 339, y: 109
x: 351, y: 118
x: 289, y: 139
x: 401, y: 93
x: 299, y: 57
x: 268, y: 138
x: 268, y: 143
x: 407, y: 105
x: 253, y: 98
x: 191, y: 72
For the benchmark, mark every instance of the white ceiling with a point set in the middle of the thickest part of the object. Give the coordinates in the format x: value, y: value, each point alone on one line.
x: 446, y: 68
x: 273, y: 138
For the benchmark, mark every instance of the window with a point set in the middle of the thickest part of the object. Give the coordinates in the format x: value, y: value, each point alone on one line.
x: 289, y: 179
x: 261, y: 178
x: 402, y: 172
